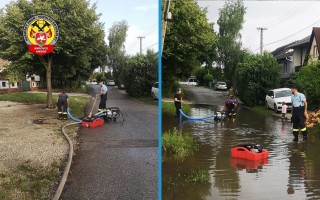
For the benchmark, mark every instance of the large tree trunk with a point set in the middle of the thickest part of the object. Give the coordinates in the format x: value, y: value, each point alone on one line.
x: 49, y: 86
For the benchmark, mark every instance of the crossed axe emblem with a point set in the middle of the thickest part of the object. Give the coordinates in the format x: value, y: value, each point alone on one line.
x: 35, y: 24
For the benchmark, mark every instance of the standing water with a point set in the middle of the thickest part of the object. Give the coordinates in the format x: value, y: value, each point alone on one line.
x: 292, y: 170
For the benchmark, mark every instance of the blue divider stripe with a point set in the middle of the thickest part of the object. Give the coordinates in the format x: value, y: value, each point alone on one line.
x: 193, y: 118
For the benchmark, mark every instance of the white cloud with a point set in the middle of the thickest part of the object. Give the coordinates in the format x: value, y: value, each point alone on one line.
x: 132, y: 43
x: 146, y: 7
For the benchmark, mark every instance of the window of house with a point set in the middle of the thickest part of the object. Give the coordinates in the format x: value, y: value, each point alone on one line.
x: 35, y: 84
x: 4, y: 84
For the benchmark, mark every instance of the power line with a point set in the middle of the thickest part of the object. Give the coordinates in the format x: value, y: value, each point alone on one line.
x: 288, y: 17
x: 151, y: 31
x: 293, y: 34
x: 284, y: 17
x: 150, y: 46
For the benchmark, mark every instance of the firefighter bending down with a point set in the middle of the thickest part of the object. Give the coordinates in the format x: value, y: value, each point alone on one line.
x: 299, y: 114
x: 63, y: 106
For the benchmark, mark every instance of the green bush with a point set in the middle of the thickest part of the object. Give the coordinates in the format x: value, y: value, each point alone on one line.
x: 207, y: 78
x: 307, y: 79
x: 140, y: 74
x: 169, y: 109
x: 169, y: 89
x: 178, y: 146
x: 255, y: 76
x: 200, y: 74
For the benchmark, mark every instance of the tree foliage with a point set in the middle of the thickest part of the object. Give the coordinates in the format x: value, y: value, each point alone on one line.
x: 255, y: 76
x: 230, y: 54
x: 140, y: 74
x: 188, y: 42
x: 117, y: 37
x: 307, y: 79
x: 79, y: 50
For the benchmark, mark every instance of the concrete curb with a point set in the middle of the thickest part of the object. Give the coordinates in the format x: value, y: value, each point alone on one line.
x: 67, y: 168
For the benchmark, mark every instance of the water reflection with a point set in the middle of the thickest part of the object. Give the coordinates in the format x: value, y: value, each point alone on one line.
x: 291, y: 171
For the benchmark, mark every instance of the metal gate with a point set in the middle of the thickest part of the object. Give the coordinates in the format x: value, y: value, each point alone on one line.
x: 26, y: 86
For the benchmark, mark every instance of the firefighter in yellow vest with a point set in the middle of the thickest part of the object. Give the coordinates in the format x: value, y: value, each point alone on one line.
x: 299, y: 113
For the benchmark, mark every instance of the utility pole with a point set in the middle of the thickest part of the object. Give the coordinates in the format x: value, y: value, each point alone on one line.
x: 261, y: 39
x: 165, y: 16
x: 140, y: 38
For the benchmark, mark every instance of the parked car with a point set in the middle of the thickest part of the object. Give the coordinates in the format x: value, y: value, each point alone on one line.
x: 191, y: 81
x: 221, y: 86
x: 154, y: 91
x: 121, y: 86
x: 111, y: 83
x: 275, y: 97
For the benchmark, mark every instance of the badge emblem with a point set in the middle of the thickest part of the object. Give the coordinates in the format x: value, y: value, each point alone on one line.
x: 41, y: 33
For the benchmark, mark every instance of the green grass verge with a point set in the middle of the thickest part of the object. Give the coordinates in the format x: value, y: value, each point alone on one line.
x: 315, y: 129
x: 77, y: 104
x: 169, y: 109
x: 195, y: 176
x: 148, y: 100
x: 262, y: 110
x: 28, y: 182
x: 178, y: 146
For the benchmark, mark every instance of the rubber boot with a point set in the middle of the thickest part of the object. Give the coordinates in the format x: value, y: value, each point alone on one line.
x: 304, y: 134
x: 295, y: 134
x: 65, y: 116
x: 59, y: 116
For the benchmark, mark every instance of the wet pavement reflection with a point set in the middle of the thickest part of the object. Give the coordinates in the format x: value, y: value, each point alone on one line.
x: 292, y: 170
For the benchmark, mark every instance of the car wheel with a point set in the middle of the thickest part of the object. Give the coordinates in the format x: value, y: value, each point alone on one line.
x: 267, y: 106
x: 153, y: 96
x: 275, y: 108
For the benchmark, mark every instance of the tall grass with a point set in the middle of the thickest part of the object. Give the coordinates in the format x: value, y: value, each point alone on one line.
x: 28, y: 182
x: 176, y: 145
x: 169, y: 109
x: 76, y: 104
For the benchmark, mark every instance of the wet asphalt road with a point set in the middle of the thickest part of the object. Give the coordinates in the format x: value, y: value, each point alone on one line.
x: 116, y: 161
x: 202, y: 95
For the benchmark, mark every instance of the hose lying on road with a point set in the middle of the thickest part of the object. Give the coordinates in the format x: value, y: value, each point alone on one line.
x: 71, y: 117
x: 193, y: 118
x: 67, y: 168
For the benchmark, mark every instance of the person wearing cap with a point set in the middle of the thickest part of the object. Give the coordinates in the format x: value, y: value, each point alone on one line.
x: 230, y: 106
x: 299, y: 114
x: 177, y: 102
x: 103, y: 96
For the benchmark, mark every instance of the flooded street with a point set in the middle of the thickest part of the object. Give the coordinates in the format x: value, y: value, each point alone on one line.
x: 290, y: 172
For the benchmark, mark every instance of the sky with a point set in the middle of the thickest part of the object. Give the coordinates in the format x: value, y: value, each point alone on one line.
x: 292, y: 20
x: 281, y: 18
x: 141, y: 15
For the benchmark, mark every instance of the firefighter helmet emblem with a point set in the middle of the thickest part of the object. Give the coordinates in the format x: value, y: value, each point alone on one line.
x: 41, y: 33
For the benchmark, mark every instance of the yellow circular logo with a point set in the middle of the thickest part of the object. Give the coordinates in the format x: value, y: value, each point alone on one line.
x: 41, y: 32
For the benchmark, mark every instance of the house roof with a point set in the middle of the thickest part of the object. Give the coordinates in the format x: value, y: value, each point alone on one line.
x: 315, y: 34
x: 283, y: 51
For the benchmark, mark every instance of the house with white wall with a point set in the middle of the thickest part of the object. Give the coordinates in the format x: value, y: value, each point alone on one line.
x: 292, y: 56
x: 314, y: 45
x: 6, y: 86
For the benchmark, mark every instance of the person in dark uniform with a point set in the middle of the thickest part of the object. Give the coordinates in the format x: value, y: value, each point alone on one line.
x: 177, y: 102
x: 103, y: 95
x: 230, y: 107
x: 299, y: 113
x: 63, y: 105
